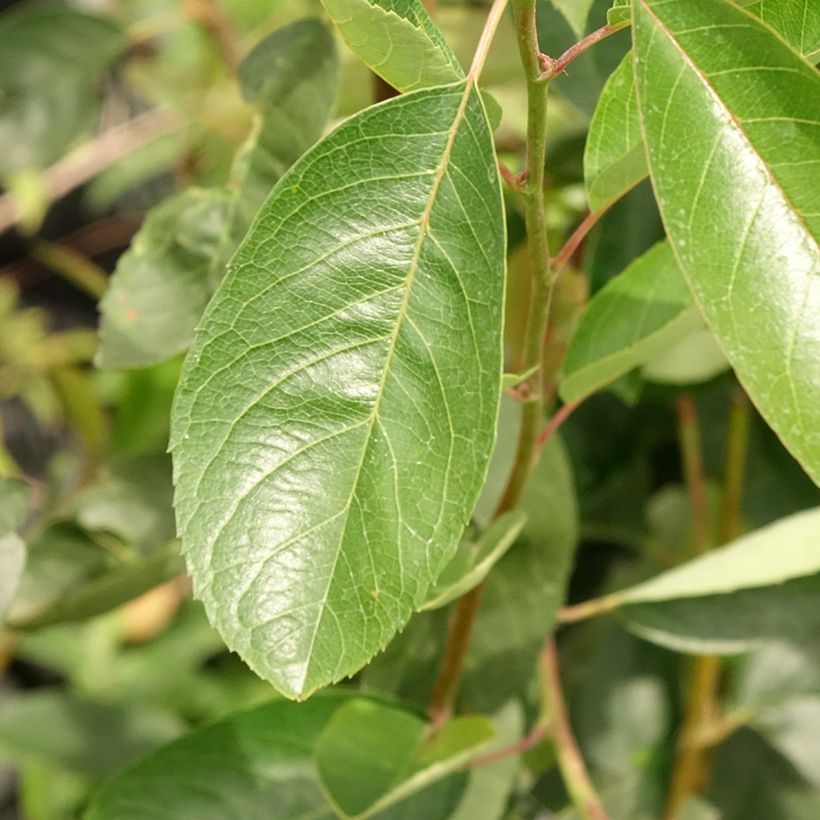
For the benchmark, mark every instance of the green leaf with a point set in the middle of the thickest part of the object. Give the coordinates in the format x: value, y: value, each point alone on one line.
x: 80, y: 733
x: 697, y: 357
x: 575, y: 13
x: 640, y: 313
x: 620, y: 12
x: 510, y: 380
x: 797, y: 22
x: 14, y: 494
x: 371, y: 755
x: 254, y: 765
x: 397, y: 40
x: 741, y: 208
x: 358, y: 328
x: 771, y: 555
x: 50, y: 61
x: 473, y: 561
x: 162, y: 283
x: 614, y: 156
x: 291, y: 76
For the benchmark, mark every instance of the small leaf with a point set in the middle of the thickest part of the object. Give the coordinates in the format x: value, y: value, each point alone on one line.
x: 619, y: 12
x: 575, y: 13
x: 162, y: 282
x: 741, y: 210
x: 473, y: 562
x: 510, y: 380
x: 640, y: 313
x: 311, y: 523
x: 797, y: 21
x: 291, y: 76
x: 371, y: 755
x: 614, y: 157
x: 397, y: 40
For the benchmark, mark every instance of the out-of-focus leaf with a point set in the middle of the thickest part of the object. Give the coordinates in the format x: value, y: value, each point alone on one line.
x: 51, y: 59
x: 797, y: 21
x: 12, y: 561
x: 614, y: 157
x: 575, y: 13
x: 14, y: 494
x: 162, y: 283
x: 371, y: 755
x: 643, y: 311
x: 291, y: 76
x: 397, y: 40
x: 133, y: 501
x: 741, y: 210
x: 697, y: 357
x: 473, y: 561
x: 79, y: 733
x: 792, y: 728
x: 304, y: 507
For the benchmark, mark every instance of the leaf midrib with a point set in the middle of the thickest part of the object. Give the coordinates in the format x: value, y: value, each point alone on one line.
x: 424, y: 222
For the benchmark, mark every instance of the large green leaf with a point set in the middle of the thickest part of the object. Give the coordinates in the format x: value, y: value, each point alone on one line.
x: 259, y: 765
x: 731, y: 128
x: 162, y: 283
x: 614, y: 156
x: 291, y: 76
x: 371, y: 755
x: 396, y: 39
x: 50, y: 62
x: 797, y: 21
x: 640, y: 313
x: 334, y: 419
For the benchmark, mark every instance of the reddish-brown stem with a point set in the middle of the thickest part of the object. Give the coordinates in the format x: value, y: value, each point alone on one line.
x: 558, y: 418
x: 552, y: 68
x: 536, y: 735
x: 516, y: 181
x: 578, y: 235
x: 573, y: 769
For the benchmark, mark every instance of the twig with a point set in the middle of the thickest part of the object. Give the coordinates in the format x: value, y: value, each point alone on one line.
x: 694, y: 473
x: 572, y: 244
x: 92, y: 158
x: 587, y: 609
x: 573, y: 769
x: 74, y: 267
x: 558, y: 418
x: 538, y: 734
x: 552, y: 68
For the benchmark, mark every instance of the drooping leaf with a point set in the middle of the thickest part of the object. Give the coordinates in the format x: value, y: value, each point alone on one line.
x: 473, y: 561
x: 640, y: 313
x: 80, y: 733
x: 162, y: 283
x: 254, y: 765
x: 575, y: 12
x: 397, y: 40
x: 731, y: 129
x: 291, y: 76
x: 349, y: 361
x: 614, y: 157
x: 797, y: 21
x: 371, y: 755
x: 51, y: 59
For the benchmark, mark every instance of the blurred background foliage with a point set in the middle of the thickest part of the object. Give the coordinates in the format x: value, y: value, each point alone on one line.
x: 111, y: 108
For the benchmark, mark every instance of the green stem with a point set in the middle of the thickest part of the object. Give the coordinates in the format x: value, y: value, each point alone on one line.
x: 461, y: 625
x: 736, y: 445
x: 72, y: 266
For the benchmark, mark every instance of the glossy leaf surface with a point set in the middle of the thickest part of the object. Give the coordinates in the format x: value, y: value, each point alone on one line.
x: 614, y: 157
x: 328, y: 453
x: 397, y: 40
x: 371, y: 755
x: 162, y: 283
x: 732, y: 135
x: 291, y: 77
x: 640, y: 313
